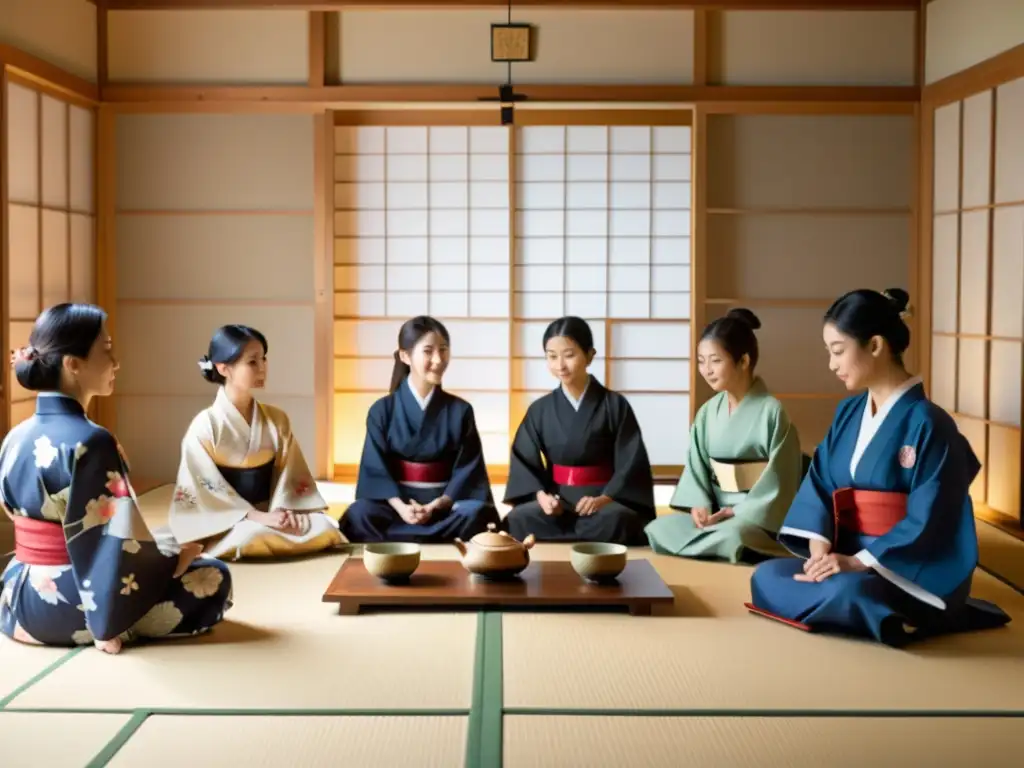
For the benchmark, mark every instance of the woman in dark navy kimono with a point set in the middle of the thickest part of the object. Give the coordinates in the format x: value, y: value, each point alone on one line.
x: 422, y: 476
x: 883, y: 523
x: 579, y: 469
x: 86, y: 568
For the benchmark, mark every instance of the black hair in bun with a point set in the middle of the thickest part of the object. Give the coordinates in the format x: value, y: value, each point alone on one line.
x: 62, y: 330
x: 864, y: 314
x: 226, y: 346
x: 734, y: 333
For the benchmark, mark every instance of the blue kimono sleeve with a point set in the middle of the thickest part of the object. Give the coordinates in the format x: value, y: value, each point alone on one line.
x: 375, y: 480
x: 935, y: 546
x: 469, y: 478
x: 812, y: 513
x: 119, y: 571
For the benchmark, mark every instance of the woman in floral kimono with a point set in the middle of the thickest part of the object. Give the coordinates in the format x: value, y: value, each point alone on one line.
x: 86, y: 568
x: 243, y: 488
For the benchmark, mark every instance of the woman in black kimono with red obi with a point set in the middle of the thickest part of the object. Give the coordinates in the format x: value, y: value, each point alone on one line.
x: 579, y: 470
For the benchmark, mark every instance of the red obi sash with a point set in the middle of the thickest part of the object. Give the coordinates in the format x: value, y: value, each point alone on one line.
x: 572, y: 476
x: 39, y: 542
x: 423, y: 472
x: 872, y: 513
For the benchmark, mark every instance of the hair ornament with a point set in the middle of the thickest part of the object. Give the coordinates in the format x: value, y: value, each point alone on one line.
x: 205, y: 363
x: 24, y: 355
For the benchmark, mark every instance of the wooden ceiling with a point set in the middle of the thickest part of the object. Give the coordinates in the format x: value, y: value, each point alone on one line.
x: 714, y: 5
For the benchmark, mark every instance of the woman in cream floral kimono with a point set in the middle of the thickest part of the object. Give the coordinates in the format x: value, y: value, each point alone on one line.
x: 243, y: 487
x: 86, y: 568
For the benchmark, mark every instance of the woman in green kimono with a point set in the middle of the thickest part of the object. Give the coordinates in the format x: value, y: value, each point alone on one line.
x: 744, y: 464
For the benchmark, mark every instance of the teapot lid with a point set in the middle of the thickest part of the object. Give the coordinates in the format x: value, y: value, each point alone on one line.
x: 493, y: 540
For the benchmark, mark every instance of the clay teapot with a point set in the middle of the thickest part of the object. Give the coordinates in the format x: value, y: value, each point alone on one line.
x: 495, y: 555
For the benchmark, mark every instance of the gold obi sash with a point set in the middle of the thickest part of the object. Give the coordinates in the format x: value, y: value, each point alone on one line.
x: 737, y: 475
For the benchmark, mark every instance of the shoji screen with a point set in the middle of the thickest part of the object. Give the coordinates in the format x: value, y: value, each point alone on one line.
x: 422, y: 225
x: 603, y: 232
x: 50, y: 216
x: 978, y: 282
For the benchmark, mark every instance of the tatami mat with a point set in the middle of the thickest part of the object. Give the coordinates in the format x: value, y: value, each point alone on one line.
x: 624, y: 663
x: 20, y: 663
x: 367, y: 742
x: 362, y: 662
x: 756, y: 742
x: 55, y: 740
x: 1001, y: 553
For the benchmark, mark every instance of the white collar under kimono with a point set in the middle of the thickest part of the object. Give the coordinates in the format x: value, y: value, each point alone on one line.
x: 572, y: 400
x: 871, y: 423
x: 423, y: 401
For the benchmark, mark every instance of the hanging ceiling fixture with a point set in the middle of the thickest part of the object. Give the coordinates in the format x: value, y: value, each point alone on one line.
x: 509, y: 43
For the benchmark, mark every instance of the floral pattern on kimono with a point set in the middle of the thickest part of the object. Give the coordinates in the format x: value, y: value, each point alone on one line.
x: 61, y: 468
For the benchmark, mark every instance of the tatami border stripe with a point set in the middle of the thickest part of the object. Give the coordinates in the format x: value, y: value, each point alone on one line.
x: 739, y: 713
x: 120, y: 739
x: 40, y: 675
x: 484, y: 732
x: 1002, y: 579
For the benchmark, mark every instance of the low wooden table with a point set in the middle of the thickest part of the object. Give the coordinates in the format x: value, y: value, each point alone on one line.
x: 543, y: 584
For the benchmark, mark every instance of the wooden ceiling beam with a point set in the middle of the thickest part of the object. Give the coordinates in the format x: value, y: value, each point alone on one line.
x: 519, y: 5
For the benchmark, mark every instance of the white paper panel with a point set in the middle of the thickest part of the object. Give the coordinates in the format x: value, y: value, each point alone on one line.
x: 665, y: 424
x: 974, y: 272
x: 55, y: 152
x: 490, y: 409
x: 1004, y: 382
x: 976, y: 433
x: 1008, y: 272
x: 22, y: 144
x: 977, y: 139
x: 943, y: 380
x: 947, y: 158
x: 19, y: 334
x: 24, y: 278
x: 82, y: 160
x: 466, y: 373
x: 350, y: 411
x: 362, y: 375
x: 971, y: 378
x: 650, y: 340
x: 650, y: 375
x: 83, y: 258
x: 1010, y: 142
x: 945, y: 278
x: 528, y: 337
x: 56, y: 276
x: 360, y: 304
x: 495, y: 448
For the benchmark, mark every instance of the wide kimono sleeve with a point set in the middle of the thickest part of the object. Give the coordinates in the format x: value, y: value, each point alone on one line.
x: 767, y: 502
x: 934, y: 549
x: 632, y: 482
x: 294, y: 486
x: 528, y: 472
x: 812, y: 513
x: 119, y: 571
x: 204, y: 503
x: 375, y: 481
x: 469, y: 478
x: 694, y: 486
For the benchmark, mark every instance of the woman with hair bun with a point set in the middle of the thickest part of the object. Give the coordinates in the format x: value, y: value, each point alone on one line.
x: 86, y: 569
x: 579, y: 469
x: 422, y: 476
x: 883, y: 522
x: 743, y: 467
x: 243, y: 487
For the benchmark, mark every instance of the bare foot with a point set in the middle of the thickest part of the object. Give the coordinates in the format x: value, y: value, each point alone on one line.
x: 112, y: 646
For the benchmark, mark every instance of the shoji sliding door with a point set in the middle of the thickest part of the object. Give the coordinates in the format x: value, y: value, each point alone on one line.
x: 50, y: 217
x: 497, y: 231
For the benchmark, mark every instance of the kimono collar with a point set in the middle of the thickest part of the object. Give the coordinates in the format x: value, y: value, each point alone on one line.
x: 572, y: 400
x: 58, y: 402
x: 223, y: 402
x: 893, y: 398
x: 423, y: 402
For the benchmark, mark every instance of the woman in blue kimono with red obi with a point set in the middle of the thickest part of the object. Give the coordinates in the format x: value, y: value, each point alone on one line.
x: 579, y: 469
x: 883, y: 523
x: 422, y: 476
x: 86, y: 569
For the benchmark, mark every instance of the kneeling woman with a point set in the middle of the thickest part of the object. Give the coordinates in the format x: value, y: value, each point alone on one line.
x: 883, y: 521
x: 86, y: 569
x: 744, y: 462
x: 422, y: 476
x: 243, y: 487
x: 579, y: 469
